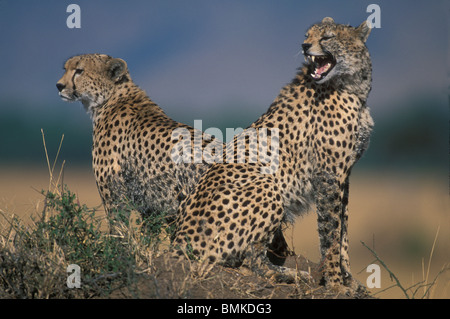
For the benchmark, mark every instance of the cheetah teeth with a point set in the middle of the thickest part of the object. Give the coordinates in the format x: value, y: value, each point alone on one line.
x: 319, y: 71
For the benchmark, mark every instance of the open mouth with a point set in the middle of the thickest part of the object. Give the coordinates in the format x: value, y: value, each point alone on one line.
x: 321, y: 65
x: 68, y: 98
x: 63, y: 97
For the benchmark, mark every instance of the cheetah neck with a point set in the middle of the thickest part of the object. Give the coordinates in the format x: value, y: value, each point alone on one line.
x: 126, y: 97
x: 91, y: 106
x: 358, y: 85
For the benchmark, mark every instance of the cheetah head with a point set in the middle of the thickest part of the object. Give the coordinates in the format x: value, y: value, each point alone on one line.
x: 91, y: 79
x: 333, y: 50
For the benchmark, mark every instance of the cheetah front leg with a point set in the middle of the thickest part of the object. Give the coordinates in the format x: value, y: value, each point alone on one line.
x: 345, y: 261
x: 349, y: 281
x: 332, y: 227
x: 331, y: 193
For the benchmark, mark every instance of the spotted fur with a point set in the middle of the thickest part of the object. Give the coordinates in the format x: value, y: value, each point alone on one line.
x: 323, y: 126
x: 133, y: 138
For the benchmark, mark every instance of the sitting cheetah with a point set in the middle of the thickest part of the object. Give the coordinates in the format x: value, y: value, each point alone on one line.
x: 320, y: 126
x: 133, y: 138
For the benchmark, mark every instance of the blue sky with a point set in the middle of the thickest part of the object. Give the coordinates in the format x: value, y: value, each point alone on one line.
x: 209, y: 58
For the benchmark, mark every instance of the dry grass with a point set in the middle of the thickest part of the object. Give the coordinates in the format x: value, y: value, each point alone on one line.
x: 131, y: 263
x: 414, y: 291
x: 34, y: 256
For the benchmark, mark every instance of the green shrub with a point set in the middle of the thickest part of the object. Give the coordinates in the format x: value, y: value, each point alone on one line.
x: 34, y: 259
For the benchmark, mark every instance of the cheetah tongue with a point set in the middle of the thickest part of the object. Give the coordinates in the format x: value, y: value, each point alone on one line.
x: 318, y: 71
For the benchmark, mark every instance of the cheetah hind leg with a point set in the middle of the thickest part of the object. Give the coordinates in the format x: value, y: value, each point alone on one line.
x: 278, y: 249
x: 259, y: 263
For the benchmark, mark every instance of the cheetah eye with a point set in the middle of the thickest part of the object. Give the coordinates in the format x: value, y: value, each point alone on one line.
x: 328, y: 37
x: 78, y: 71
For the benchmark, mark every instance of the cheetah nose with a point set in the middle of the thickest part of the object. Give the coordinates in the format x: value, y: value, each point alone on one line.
x: 60, y: 86
x: 306, y: 47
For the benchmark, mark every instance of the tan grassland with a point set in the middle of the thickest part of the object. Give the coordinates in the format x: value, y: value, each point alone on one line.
x: 404, y: 218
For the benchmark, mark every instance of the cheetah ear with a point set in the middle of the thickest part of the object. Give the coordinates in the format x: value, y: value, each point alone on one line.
x: 364, y: 30
x: 117, y: 68
x: 327, y: 20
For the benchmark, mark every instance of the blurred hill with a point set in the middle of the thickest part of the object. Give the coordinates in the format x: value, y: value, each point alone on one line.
x: 414, y: 135
x: 21, y: 139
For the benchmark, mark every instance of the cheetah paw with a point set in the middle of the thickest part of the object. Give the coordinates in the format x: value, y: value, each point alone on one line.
x: 289, y: 275
x: 352, y: 289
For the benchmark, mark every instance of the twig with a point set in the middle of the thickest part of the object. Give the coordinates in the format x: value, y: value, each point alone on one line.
x: 388, y: 270
x: 385, y: 289
x: 444, y: 269
x: 46, y: 156
x: 52, y: 168
x: 431, y: 256
x: 57, y: 154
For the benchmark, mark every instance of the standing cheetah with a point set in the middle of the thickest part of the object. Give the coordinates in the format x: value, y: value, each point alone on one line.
x: 320, y: 126
x: 133, y: 139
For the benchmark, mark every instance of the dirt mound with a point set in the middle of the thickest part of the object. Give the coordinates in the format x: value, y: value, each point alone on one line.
x: 173, y: 279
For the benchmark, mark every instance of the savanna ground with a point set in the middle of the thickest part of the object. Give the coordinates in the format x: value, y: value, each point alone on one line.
x: 403, y: 218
